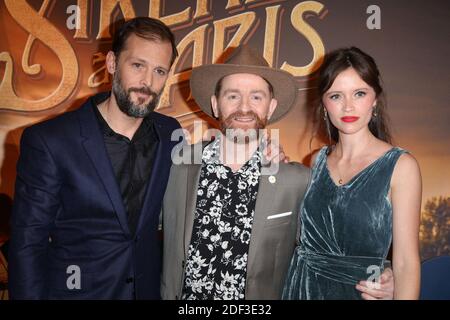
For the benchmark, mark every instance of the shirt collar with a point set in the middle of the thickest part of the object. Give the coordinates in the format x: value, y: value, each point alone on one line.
x: 211, y: 155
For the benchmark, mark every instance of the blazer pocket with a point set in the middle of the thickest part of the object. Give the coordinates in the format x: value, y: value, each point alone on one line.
x: 278, y: 219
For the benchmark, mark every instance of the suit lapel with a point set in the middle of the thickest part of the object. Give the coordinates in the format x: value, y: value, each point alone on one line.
x: 193, y: 176
x: 94, y: 146
x: 264, y: 207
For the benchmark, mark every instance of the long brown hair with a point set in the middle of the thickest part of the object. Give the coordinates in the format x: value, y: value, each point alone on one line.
x: 340, y: 60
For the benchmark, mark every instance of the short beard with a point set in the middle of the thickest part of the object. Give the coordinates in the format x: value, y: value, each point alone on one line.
x: 127, y: 106
x: 239, y: 135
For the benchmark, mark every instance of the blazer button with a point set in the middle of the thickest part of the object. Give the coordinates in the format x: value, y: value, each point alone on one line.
x: 129, y: 280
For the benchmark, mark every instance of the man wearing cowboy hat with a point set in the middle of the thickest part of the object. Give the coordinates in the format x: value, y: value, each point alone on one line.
x: 229, y: 226
x: 212, y: 208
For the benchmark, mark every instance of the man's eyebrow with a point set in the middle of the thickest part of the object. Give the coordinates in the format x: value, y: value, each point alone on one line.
x: 143, y: 61
x: 259, y: 91
x: 237, y: 90
x: 137, y: 59
x: 230, y: 91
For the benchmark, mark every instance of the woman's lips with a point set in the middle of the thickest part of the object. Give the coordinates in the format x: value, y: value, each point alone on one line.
x: 349, y: 119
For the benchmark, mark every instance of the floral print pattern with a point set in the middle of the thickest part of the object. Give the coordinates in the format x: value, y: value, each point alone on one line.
x: 216, y: 266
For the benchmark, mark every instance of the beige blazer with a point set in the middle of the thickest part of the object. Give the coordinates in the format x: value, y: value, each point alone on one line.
x: 273, y: 234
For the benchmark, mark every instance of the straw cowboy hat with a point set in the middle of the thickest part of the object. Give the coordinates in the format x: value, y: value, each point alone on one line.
x: 244, y: 59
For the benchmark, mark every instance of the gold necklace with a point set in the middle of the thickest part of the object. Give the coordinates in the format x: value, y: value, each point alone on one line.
x: 340, y: 181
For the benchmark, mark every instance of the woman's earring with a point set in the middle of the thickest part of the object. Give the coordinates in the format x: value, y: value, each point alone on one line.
x: 325, y: 114
x: 374, y: 112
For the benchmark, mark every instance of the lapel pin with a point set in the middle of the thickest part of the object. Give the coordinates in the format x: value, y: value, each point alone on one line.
x: 272, y: 179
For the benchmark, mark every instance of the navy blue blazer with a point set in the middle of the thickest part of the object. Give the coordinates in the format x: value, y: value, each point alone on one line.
x: 69, y: 218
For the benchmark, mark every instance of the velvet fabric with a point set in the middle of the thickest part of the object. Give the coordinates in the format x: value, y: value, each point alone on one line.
x: 346, y: 231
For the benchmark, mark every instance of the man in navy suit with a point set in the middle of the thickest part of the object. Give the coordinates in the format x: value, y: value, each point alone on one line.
x: 90, y: 183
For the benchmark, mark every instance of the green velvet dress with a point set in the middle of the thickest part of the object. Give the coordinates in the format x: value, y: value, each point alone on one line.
x: 345, y: 231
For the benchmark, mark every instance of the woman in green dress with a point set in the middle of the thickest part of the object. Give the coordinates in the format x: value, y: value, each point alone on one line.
x: 364, y: 194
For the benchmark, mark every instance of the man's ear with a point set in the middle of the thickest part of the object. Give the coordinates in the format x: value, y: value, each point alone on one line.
x: 272, y: 107
x: 111, y: 62
x: 214, y: 107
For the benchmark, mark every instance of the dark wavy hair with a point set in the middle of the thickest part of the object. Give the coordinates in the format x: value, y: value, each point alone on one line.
x: 147, y: 28
x: 339, y: 60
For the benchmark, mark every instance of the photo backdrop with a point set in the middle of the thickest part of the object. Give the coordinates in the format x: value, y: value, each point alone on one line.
x: 52, y: 57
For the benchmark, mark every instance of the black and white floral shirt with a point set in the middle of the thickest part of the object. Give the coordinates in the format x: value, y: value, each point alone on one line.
x: 216, y: 267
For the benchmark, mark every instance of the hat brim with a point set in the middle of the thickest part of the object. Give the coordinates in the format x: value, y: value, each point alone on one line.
x: 204, y: 79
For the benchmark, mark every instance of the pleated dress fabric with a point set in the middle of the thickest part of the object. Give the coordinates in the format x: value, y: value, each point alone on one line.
x: 346, y: 231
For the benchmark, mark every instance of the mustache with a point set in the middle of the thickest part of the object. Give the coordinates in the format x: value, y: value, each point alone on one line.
x: 238, y: 114
x: 227, y: 122
x: 144, y: 90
